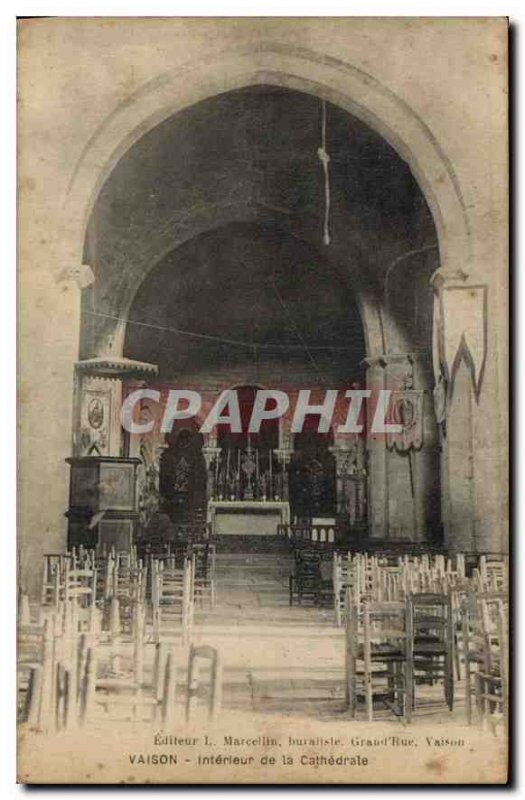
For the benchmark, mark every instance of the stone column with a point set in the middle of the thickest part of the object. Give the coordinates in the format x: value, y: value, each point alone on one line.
x: 341, y: 457
x: 377, y: 488
x: 212, y: 456
x: 402, y: 473
x: 466, y: 406
x: 351, y: 481
x: 284, y: 455
x: 49, y: 323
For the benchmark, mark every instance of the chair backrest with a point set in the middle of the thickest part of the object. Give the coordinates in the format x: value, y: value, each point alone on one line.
x: 31, y: 643
x: 80, y: 586
x: 385, y: 623
x: 430, y: 617
x: 212, y: 692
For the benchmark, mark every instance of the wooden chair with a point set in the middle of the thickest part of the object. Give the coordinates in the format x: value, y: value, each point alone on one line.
x: 203, y: 566
x: 485, y: 651
x: 491, y: 574
x: 129, y: 695
x: 33, y: 657
x: 128, y: 585
x: 172, y: 598
x: 195, y: 687
x: 493, y: 677
x: 345, y: 575
x: 430, y: 652
x: 474, y: 647
x: 54, y: 577
x: 311, y: 577
x: 376, y: 657
x: 104, y: 563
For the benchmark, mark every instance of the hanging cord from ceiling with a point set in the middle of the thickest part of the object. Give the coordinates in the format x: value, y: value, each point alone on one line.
x: 324, y: 158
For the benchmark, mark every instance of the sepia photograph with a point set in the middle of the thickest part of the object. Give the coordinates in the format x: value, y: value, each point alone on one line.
x: 263, y: 400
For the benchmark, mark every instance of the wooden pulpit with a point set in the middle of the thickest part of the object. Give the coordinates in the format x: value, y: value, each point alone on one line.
x: 103, y: 503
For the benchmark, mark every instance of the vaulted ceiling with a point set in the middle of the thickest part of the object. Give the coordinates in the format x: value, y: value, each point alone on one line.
x: 247, y: 161
x: 247, y: 300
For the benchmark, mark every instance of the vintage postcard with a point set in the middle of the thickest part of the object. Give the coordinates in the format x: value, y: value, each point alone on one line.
x: 263, y: 394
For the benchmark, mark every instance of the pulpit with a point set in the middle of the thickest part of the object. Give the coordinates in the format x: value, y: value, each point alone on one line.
x: 103, y: 507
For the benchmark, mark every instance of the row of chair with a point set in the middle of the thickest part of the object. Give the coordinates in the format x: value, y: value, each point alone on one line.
x: 61, y: 686
x: 393, y: 649
x: 100, y: 613
x: 412, y: 621
x: 391, y: 578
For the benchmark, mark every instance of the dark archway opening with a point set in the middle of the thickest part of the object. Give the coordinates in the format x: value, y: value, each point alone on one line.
x: 312, y: 474
x: 182, y: 478
x: 207, y: 244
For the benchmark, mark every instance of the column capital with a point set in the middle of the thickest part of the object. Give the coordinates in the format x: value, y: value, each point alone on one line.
x: 82, y: 275
x: 389, y: 359
x: 346, y: 462
x: 448, y: 277
x: 283, y: 452
x: 210, y: 452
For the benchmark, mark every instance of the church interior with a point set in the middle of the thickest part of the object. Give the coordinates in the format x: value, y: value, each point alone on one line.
x: 265, y: 237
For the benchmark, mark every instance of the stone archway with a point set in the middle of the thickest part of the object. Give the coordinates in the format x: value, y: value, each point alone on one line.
x: 338, y: 82
x: 343, y: 85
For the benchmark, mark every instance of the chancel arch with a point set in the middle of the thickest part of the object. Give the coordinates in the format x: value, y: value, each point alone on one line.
x: 231, y: 315
x: 236, y: 281
x: 390, y: 109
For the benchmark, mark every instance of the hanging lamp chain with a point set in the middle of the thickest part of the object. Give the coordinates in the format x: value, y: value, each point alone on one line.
x: 324, y: 158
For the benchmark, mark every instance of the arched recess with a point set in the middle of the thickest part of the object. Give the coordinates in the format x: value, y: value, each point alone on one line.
x: 182, y: 473
x: 218, y: 216
x: 335, y: 81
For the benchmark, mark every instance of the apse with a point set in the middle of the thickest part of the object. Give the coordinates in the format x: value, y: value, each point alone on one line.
x: 249, y: 303
x: 257, y: 155
x: 265, y: 237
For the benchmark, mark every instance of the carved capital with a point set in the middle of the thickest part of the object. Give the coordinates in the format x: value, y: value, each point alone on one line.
x: 82, y: 275
x: 284, y: 454
x: 448, y: 277
x: 395, y: 369
x: 210, y: 453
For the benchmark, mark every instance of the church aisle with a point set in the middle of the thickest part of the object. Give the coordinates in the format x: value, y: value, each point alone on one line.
x: 276, y: 658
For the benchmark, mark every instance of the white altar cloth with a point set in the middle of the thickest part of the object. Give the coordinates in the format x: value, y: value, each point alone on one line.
x: 247, y: 517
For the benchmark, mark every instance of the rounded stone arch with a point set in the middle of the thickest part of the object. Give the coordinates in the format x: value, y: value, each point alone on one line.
x: 217, y: 216
x: 312, y: 73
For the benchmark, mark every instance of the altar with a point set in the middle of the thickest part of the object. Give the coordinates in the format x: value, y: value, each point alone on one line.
x: 247, y: 517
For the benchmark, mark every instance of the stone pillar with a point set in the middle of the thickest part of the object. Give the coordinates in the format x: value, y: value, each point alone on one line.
x: 350, y: 480
x: 466, y: 399
x: 402, y: 470
x: 284, y: 455
x: 212, y: 457
x: 377, y: 488
x: 342, y: 465
x: 49, y: 326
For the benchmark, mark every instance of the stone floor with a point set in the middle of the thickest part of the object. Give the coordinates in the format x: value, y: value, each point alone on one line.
x: 283, y: 673
x: 276, y: 658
